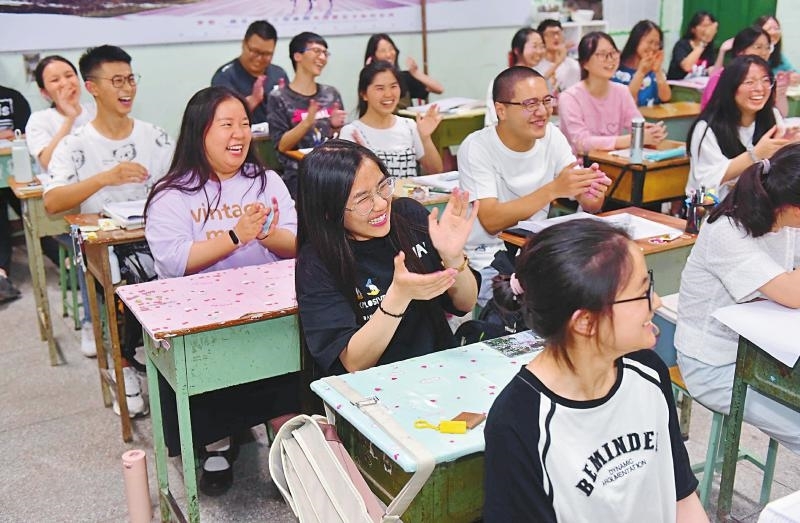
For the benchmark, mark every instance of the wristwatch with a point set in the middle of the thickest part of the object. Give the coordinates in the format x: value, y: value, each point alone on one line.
x: 234, y: 238
x: 460, y: 267
x: 751, y: 151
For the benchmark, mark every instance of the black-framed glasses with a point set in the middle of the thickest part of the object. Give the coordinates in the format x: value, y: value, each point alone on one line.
x: 366, y: 203
x: 607, y: 57
x: 531, y: 104
x: 648, y: 295
x: 258, y: 54
x: 319, y: 51
x: 119, y: 80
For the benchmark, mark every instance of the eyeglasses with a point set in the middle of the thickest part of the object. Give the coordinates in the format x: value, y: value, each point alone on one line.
x: 119, y: 80
x: 648, y: 295
x: 555, y: 31
x: 607, y: 57
x: 366, y: 203
x: 531, y: 104
x: 258, y: 54
x: 765, y: 82
x: 318, y: 51
x: 761, y: 48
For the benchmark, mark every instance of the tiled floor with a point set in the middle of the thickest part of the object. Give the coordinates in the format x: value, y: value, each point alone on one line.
x: 62, y: 448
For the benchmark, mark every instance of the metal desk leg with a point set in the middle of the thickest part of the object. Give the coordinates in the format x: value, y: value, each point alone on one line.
x: 160, y: 448
x: 97, y: 329
x: 732, y: 433
x: 39, y: 282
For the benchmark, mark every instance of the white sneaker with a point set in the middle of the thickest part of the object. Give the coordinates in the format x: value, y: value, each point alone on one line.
x: 137, y: 406
x: 88, y: 347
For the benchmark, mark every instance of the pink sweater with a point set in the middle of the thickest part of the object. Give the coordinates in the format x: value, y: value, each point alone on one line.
x: 594, y: 123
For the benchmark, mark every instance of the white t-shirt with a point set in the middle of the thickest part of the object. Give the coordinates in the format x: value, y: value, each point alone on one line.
x: 726, y: 266
x: 489, y: 169
x: 708, y: 164
x: 567, y: 74
x: 44, y: 124
x: 399, y: 146
x: 85, y: 153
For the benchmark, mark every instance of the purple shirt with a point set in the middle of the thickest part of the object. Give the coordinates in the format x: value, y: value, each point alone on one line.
x: 175, y: 220
x: 594, y: 123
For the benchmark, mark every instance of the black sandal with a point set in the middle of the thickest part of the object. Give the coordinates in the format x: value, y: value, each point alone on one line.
x: 216, y: 474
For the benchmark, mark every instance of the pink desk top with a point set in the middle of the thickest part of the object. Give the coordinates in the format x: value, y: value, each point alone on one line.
x: 201, y: 302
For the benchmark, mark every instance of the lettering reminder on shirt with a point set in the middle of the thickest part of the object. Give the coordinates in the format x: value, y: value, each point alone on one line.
x: 300, y: 114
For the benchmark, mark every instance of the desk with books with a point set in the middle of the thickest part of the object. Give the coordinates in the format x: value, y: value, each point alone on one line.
x: 96, y: 258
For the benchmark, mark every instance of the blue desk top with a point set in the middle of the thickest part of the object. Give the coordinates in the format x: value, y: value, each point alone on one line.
x: 435, y: 387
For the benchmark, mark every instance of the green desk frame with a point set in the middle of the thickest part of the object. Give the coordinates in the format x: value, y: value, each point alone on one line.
x: 764, y: 374
x: 208, y: 360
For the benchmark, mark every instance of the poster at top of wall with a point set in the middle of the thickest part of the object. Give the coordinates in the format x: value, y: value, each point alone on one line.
x: 58, y: 24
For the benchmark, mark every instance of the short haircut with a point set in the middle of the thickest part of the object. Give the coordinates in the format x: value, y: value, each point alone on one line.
x: 546, y: 24
x: 503, y: 86
x: 262, y: 29
x: 300, y: 42
x: 94, y: 57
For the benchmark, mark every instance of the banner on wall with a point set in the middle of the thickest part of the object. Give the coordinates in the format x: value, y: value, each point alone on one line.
x: 49, y: 24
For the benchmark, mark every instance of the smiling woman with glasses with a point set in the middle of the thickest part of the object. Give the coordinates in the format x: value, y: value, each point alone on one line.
x: 596, y: 113
x: 587, y: 431
x: 737, y: 128
x: 375, y: 277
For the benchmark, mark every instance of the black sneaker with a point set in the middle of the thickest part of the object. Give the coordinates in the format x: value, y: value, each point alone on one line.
x: 7, y: 290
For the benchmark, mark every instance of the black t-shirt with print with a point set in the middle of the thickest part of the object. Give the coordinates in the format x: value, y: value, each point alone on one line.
x: 327, y: 315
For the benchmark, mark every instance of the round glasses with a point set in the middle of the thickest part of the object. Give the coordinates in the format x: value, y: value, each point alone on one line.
x: 365, y: 203
x: 648, y: 295
x: 531, y: 104
x: 119, y: 80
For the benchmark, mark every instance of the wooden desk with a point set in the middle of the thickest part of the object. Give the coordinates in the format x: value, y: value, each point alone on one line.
x: 764, y: 374
x: 405, y: 186
x: 434, y: 387
x: 206, y: 332
x: 677, y: 116
x: 666, y: 259
x: 646, y: 183
x: 295, y: 154
x: 453, y: 128
x: 98, y: 269
x: 688, y: 90
x: 38, y: 224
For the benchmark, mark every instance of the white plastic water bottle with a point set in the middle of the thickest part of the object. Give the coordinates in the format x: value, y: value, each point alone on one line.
x: 113, y: 262
x: 21, y: 159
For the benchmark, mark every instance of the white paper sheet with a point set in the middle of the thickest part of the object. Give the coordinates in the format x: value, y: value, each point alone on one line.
x: 448, y: 105
x: 638, y: 228
x: 771, y: 326
x: 444, y: 181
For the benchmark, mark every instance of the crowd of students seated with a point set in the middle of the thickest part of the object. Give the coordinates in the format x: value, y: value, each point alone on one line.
x: 377, y: 278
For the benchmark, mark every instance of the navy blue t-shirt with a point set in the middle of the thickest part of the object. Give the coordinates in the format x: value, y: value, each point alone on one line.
x: 234, y: 76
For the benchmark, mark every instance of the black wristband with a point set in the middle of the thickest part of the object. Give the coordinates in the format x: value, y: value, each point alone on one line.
x: 234, y: 238
x: 398, y: 316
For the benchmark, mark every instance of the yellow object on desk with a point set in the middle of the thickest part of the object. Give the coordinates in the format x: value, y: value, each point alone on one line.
x: 445, y: 427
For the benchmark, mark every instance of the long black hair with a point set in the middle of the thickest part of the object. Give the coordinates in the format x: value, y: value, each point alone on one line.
x: 775, y: 55
x: 518, y: 44
x: 575, y: 265
x: 696, y: 20
x: 722, y: 114
x: 372, y: 47
x: 637, y: 33
x: 190, y: 169
x: 367, y: 75
x: 326, y: 178
x: 747, y: 37
x: 762, y: 190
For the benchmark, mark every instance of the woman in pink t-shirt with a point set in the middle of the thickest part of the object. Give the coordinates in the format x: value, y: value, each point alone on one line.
x: 596, y: 113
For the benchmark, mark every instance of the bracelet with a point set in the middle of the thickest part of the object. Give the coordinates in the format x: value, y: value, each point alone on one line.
x: 751, y: 151
x: 398, y: 316
x: 460, y: 267
x: 234, y: 238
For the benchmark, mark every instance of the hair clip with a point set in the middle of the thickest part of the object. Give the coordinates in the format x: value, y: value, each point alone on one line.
x: 765, y: 166
x: 515, y: 285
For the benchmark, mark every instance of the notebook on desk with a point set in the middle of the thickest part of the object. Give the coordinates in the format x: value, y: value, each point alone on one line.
x: 128, y: 215
x: 637, y: 227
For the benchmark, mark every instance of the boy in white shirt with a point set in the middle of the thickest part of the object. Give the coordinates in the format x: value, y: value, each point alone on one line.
x: 518, y: 167
x: 112, y: 158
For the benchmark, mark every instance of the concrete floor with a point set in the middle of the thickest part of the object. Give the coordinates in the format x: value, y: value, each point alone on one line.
x: 62, y: 448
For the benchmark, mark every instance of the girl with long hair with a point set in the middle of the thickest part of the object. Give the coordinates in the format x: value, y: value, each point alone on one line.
x: 207, y: 214
x: 588, y: 431
x: 374, y: 276
x: 694, y: 53
x: 737, y: 127
x: 748, y: 249
x: 640, y: 65
x: 596, y: 113
x: 399, y: 142
x: 415, y: 84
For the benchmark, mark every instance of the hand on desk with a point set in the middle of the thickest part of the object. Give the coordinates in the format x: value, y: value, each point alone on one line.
x: 654, y: 133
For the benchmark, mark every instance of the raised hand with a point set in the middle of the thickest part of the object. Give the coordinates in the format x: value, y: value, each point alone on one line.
x: 449, y: 233
x: 409, y: 286
x: 769, y: 143
x: 257, y: 94
x: 311, y: 114
x: 251, y: 222
x: 428, y: 122
x: 337, y: 115
x: 658, y: 61
x: 126, y: 172
x: 411, y: 65
x: 358, y: 138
